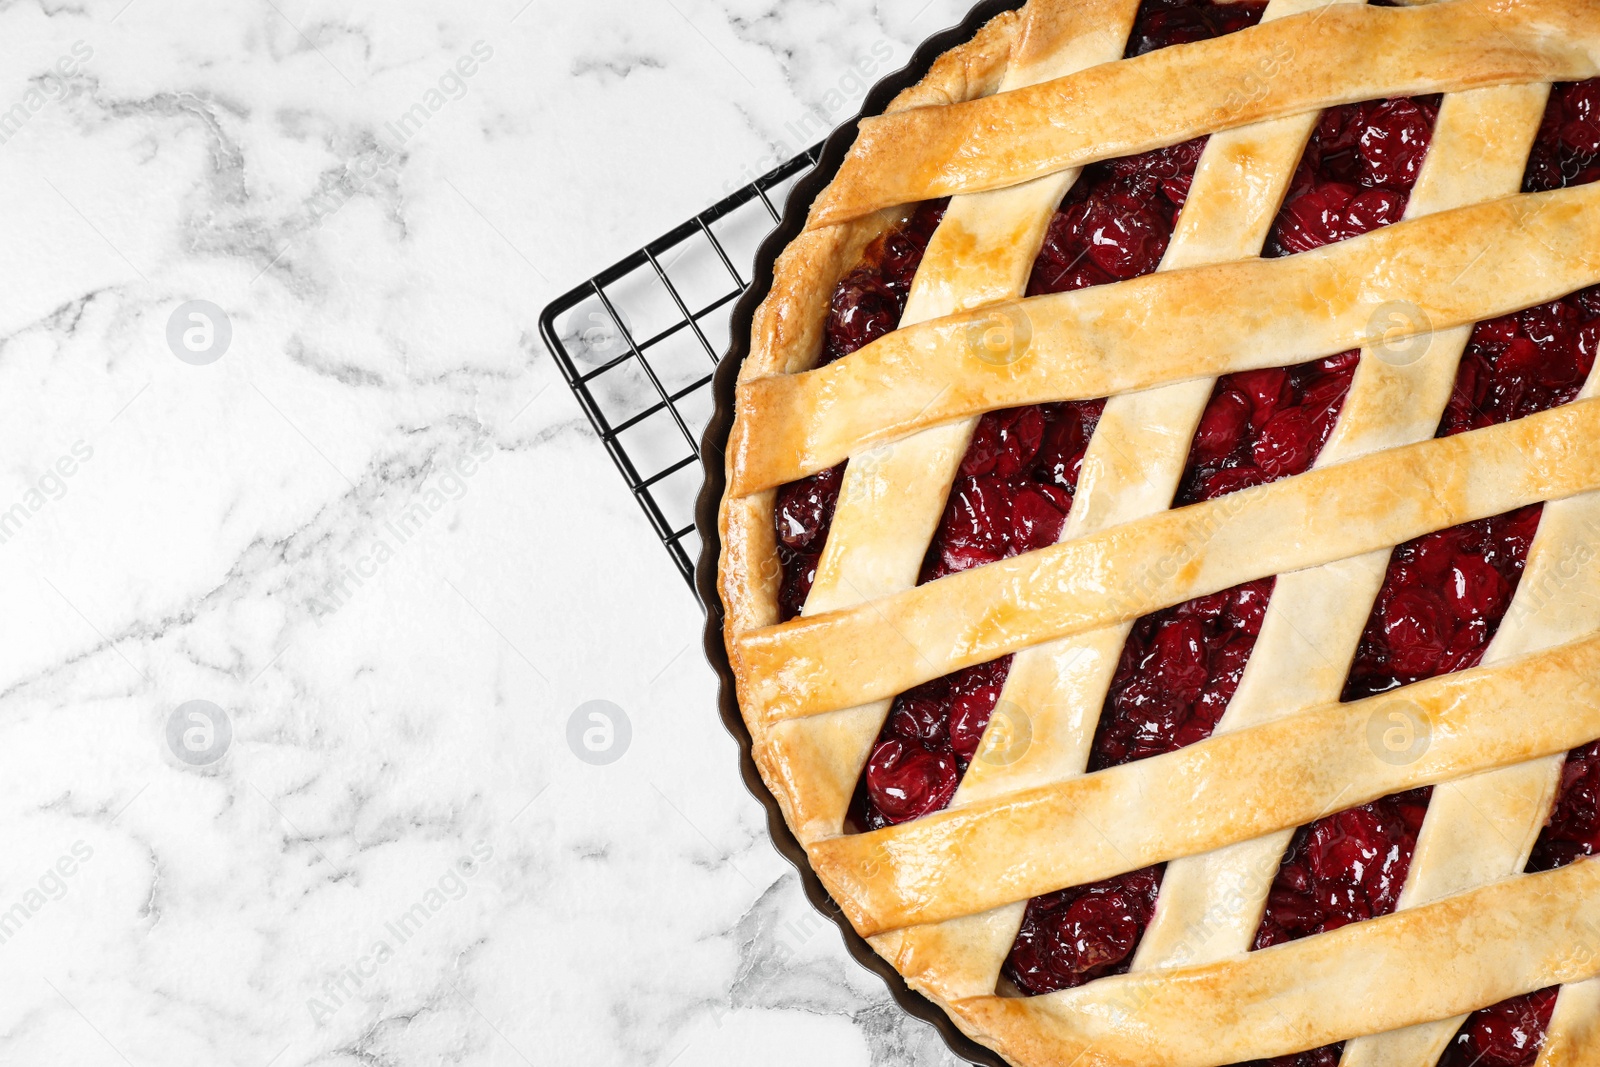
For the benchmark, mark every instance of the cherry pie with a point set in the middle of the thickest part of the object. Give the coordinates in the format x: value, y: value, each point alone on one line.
x: 1161, y: 549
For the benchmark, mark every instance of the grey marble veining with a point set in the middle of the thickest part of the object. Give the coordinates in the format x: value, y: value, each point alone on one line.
x: 304, y: 584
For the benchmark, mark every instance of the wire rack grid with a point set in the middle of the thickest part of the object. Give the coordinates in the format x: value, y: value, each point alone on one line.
x: 639, y: 343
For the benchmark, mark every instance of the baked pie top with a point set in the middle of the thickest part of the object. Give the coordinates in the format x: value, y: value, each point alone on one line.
x: 1161, y: 549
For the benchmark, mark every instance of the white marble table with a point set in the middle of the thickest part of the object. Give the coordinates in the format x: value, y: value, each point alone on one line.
x: 376, y: 535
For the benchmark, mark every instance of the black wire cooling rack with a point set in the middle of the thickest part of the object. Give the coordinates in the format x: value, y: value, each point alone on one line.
x: 639, y: 342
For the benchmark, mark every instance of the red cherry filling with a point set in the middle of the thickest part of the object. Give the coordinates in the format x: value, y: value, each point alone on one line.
x: 1181, y: 666
x: 1567, y: 151
x: 1446, y: 593
x: 931, y: 735
x: 867, y: 304
x: 803, y: 512
x: 1345, y: 868
x: 1167, y: 22
x: 1507, y: 1034
x: 872, y: 297
x: 1178, y: 671
x: 1357, y: 173
x: 1573, y: 831
x: 1014, y: 488
x: 1114, y: 224
x: 1116, y: 221
x: 1441, y: 602
x: 1352, y: 865
x: 1525, y: 363
x: 1077, y: 935
x: 1011, y: 495
x: 906, y: 779
x: 1263, y: 425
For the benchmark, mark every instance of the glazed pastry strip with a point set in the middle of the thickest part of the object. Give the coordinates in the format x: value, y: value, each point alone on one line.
x: 1228, y: 788
x: 1554, y: 1029
x: 1134, y: 460
x: 992, y: 927
x: 1573, y: 1037
x: 1478, y: 829
x: 1483, y: 828
x: 884, y: 647
x: 1184, y: 324
x: 1291, y: 66
x: 889, y: 504
x: 1211, y: 906
x: 1502, y: 940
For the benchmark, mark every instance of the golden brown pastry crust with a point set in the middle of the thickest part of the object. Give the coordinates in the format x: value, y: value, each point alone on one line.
x: 1197, y: 323
x: 873, y: 548
x: 1231, y: 787
x: 786, y: 336
x: 1133, y: 463
x: 1176, y: 94
x: 839, y: 659
x: 805, y: 761
x: 1481, y: 143
x: 1431, y: 962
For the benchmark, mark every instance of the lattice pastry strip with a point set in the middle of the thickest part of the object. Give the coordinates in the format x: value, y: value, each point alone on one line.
x: 1210, y: 906
x: 1132, y: 467
x: 845, y: 657
x: 890, y: 503
x: 864, y: 610
x: 1361, y: 53
x: 1501, y: 940
x: 1314, y: 304
x: 1530, y: 104
x: 1231, y: 787
x: 1483, y: 828
x: 1573, y: 1037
